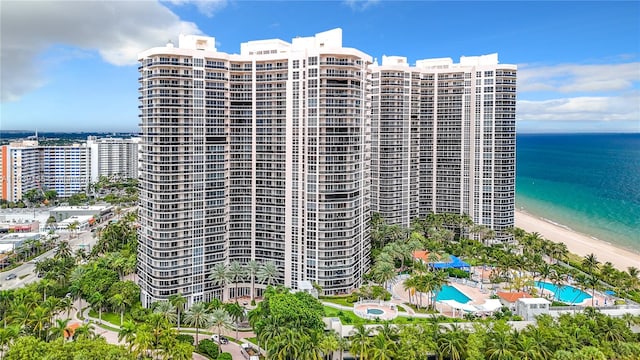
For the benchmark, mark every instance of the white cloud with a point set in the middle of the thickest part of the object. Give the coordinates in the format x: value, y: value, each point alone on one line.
x: 117, y: 30
x: 360, y: 5
x: 625, y: 107
x: 206, y: 7
x: 568, y: 78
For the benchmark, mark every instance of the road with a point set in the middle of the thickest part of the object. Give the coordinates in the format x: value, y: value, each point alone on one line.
x: 84, y: 238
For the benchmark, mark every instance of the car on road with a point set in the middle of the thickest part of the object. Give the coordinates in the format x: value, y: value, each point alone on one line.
x: 11, y: 276
x: 223, y: 340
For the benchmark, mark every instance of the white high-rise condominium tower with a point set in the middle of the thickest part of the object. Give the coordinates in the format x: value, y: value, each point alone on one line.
x: 26, y: 165
x: 443, y: 139
x: 253, y: 156
x: 113, y: 157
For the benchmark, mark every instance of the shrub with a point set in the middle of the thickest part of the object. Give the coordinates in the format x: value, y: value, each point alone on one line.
x: 225, y: 356
x: 138, y: 313
x: 209, y: 348
x: 457, y: 273
x: 185, y: 338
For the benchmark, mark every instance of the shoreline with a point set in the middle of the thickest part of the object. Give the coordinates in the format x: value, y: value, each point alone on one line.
x: 577, y: 243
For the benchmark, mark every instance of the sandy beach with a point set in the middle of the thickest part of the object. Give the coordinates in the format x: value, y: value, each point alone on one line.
x: 578, y: 243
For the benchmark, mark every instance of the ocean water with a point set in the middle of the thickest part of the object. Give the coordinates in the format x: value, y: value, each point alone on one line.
x: 587, y: 182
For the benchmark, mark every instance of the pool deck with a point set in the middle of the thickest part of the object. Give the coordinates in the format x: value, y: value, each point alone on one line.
x: 599, y: 299
x: 479, y: 293
x: 478, y: 296
x: 387, y: 312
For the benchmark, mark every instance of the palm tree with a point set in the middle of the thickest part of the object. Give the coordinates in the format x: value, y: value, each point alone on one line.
x: 329, y: 344
x: 452, y: 343
x: 166, y: 309
x: 500, y: 346
x: 582, y: 282
x: 67, y: 304
x: 343, y: 344
x: 253, y: 267
x: 63, y: 251
x: 178, y: 301
x: 197, y: 316
x: 7, y: 335
x: 73, y: 228
x: 544, y: 271
x: 361, y: 341
x: 590, y: 262
x: 383, y: 272
x: 119, y: 303
x: 633, y: 275
x: 181, y: 351
x: 268, y: 273
x: 220, y: 276
x: 409, y: 286
x: 85, y: 331
x: 6, y: 297
x: 236, y: 273
x: 40, y: 319
x: 220, y: 318
x: 127, y: 332
x: 59, y: 329
x: 98, y: 300
x: 269, y: 329
x: 236, y: 312
x: 158, y: 326
x: 557, y: 278
x: 382, y: 348
x: 593, y: 282
x: 142, y: 341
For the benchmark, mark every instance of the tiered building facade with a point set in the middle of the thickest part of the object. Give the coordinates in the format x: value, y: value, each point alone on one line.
x: 281, y: 152
x: 443, y: 139
x: 257, y: 156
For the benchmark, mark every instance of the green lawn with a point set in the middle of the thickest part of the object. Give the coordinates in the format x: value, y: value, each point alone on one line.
x: 111, y: 318
x: 347, y: 317
x: 421, y: 310
x: 339, y: 300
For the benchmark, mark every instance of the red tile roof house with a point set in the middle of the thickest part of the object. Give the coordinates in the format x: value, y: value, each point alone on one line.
x: 509, y: 299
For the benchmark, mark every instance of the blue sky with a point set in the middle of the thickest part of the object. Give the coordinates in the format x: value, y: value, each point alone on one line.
x: 71, y: 65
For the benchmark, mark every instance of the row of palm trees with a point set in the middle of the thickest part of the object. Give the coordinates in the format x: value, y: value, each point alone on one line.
x: 421, y: 283
x: 200, y: 315
x: 237, y: 272
x: 564, y: 338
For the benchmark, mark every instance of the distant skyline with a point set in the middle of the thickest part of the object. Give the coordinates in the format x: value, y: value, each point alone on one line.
x: 72, y: 65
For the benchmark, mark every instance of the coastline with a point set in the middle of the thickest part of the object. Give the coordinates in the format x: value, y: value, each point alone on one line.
x: 577, y: 243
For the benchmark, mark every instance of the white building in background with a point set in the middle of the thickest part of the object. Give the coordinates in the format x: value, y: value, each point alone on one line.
x: 20, y: 167
x: 260, y: 156
x: 443, y: 139
x: 65, y: 168
x: 113, y: 157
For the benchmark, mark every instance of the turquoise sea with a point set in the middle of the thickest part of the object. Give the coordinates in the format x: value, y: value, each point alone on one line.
x: 589, y: 183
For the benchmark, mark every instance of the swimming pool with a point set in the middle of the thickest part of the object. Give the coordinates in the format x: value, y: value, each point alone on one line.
x: 375, y: 311
x: 567, y: 294
x: 448, y: 292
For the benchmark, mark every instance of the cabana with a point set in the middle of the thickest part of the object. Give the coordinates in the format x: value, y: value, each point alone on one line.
x: 454, y: 262
x: 489, y: 306
x: 455, y: 305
